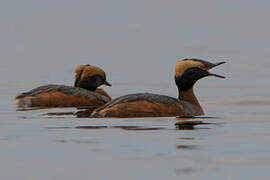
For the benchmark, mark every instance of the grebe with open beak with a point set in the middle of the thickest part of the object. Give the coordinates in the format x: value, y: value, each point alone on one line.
x: 187, y: 73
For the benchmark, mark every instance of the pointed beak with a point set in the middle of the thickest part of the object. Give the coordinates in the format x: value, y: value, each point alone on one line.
x: 212, y: 65
x: 218, y: 76
x: 107, y: 83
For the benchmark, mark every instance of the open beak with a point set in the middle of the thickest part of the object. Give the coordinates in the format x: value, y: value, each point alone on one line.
x: 209, y: 66
x: 107, y: 83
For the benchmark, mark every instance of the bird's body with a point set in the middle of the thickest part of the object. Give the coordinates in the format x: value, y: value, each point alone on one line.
x: 141, y: 105
x: 147, y: 105
x: 60, y: 96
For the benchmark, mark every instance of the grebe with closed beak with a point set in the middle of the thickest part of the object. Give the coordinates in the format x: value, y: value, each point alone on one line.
x: 85, y: 92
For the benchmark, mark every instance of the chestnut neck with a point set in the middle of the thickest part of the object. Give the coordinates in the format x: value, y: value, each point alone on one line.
x: 189, y: 97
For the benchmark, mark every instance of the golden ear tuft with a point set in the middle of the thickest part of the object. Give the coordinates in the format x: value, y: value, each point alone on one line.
x: 78, y: 70
x: 91, y: 71
x: 182, y: 66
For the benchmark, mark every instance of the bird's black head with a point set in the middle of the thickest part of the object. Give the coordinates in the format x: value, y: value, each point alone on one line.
x: 90, y: 77
x: 189, y: 71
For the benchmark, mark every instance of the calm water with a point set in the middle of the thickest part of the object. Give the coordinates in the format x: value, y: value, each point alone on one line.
x: 137, y: 43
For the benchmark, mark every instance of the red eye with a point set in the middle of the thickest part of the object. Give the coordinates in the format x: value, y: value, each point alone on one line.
x: 203, y: 67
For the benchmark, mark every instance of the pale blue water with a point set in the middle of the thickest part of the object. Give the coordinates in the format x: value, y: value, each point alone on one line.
x: 137, y: 43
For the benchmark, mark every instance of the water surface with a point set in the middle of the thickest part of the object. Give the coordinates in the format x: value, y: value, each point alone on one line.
x: 137, y: 43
